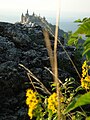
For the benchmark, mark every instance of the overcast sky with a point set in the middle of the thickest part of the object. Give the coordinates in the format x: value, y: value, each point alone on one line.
x: 70, y: 9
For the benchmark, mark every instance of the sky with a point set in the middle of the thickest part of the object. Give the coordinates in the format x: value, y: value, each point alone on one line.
x: 10, y: 10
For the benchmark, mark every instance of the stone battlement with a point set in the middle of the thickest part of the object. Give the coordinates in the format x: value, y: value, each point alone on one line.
x: 26, y: 19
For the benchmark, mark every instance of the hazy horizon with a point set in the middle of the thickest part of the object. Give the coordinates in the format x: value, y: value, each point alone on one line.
x: 67, y: 17
x: 66, y: 24
x: 70, y: 10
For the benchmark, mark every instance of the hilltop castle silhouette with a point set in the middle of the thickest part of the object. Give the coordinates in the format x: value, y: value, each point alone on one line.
x: 26, y: 19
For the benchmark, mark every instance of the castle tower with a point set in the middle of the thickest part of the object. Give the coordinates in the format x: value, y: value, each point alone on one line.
x: 27, y: 20
x: 27, y: 14
x: 22, y: 16
x: 24, y: 19
x: 44, y: 18
x: 33, y: 14
x: 27, y: 17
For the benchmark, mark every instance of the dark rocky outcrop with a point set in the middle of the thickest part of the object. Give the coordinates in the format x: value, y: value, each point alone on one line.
x: 20, y: 44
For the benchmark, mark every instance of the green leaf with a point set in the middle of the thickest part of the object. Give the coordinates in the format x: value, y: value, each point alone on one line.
x: 85, y: 19
x: 72, y: 41
x: 88, y: 118
x: 87, y: 35
x: 84, y: 28
x: 88, y: 55
x: 78, y: 89
x: 78, y: 21
x: 87, y: 48
x: 86, y: 51
x: 81, y: 113
x: 70, y: 106
x: 78, y: 101
x: 87, y: 41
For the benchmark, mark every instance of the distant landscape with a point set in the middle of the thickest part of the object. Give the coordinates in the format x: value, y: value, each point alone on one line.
x: 64, y: 24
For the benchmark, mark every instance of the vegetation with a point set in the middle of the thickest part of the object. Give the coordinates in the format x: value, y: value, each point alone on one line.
x: 84, y: 29
x: 73, y: 101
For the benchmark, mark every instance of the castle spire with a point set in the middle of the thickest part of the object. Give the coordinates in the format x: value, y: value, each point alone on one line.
x: 27, y: 11
x: 22, y: 16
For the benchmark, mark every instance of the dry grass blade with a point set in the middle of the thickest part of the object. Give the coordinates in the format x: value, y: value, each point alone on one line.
x: 41, y: 84
x: 35, y: 78
x: 70, y: 59
x: 55, y: 64
x: 31, y: 81
x: 54, y: 75
x: 48, y: 45
x: 40, y: 88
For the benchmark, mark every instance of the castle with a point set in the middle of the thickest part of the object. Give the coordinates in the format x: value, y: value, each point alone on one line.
x: 26, y: 19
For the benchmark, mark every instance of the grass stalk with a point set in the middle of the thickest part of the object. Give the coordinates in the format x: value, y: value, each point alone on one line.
x: 55, y: 63
x: 53, y: 60
x: 49, y: 49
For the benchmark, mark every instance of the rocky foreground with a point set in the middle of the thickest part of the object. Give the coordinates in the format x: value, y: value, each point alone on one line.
x: 20, y: 44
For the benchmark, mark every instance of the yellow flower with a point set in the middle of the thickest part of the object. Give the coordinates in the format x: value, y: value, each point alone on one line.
x: 82, y: 84
x: 31, y: 101
x: 85, y: 80
x: 84, y: 64
x: 52, y: 102
x: 29, y: 92
x: 30, y: 113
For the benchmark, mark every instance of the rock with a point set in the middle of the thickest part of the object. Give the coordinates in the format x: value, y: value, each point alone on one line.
x: 20, y: 44
x: 70, y: 48
x: 8, y: 117
x: 5, y: 44
x: 21, y: 114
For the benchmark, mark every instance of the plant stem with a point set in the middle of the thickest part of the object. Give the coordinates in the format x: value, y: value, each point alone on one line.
x: 55, y: 63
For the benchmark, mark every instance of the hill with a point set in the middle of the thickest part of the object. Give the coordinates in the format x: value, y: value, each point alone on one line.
x: 22, y: 44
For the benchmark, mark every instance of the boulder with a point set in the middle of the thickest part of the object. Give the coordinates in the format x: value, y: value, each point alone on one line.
x: 20, y: 44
